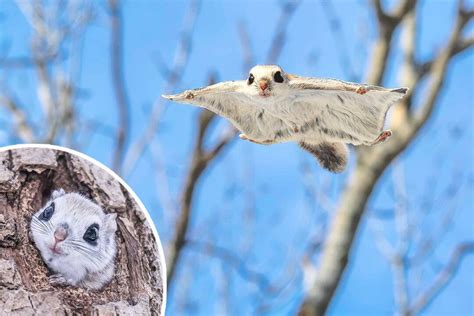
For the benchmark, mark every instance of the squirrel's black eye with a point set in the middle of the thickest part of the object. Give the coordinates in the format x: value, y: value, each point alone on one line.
x: 92, y: 234
x: 251, y: 79
x: 278, y: 77
x: 47, y: 213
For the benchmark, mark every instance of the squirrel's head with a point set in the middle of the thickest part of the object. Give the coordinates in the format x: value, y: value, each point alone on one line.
x: 72, y: 232
x: 266, y: 81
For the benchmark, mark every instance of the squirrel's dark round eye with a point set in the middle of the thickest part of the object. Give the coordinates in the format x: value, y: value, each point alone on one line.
x: 251, y: 79
x: 92, y: 234
x: 278, y: 77
x: 47, y: 213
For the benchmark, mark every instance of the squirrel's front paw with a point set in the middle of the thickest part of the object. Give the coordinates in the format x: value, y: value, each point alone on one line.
x: 189, y: 95
x: 58, y: 280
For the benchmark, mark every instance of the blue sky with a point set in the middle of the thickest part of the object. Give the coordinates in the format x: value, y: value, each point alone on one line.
x: 270, y: 228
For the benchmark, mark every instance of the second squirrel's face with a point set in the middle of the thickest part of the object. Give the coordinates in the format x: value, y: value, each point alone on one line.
x: 70, y: 229
x: 267, y: 81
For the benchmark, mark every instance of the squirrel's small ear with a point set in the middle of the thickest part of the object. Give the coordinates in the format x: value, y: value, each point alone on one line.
x: 111, y: 222
x: 57, y: 193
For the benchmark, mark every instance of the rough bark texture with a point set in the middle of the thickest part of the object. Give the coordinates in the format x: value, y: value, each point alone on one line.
x: 27, y: 178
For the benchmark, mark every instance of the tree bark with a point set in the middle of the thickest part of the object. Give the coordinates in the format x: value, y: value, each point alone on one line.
x: 27, y: 178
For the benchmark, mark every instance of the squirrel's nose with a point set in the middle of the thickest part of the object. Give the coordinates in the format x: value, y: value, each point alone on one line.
x: 60, y: 233
x: 263, y: 85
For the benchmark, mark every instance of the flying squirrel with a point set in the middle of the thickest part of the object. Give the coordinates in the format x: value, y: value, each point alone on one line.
x: 321, y: 115
x: 76, y: 240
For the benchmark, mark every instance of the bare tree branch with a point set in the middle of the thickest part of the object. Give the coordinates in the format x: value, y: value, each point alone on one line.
x: 387, y: 23
x: 402, y: 227
x: 340, y: 42
x: 461, y: 46
x: 202, y: 158
x: 431, y: 239
x: 120, y: 90
x: 22, y: 127
x: 443, y: 277
x: 56, y: 26
x: 235, y: 261
x: 279, y: 39
x: 408, y: 71
x: 403, y: 7
x: 438, y: 70
x: 175, y: 73
x: 372, y: 161
x: 246, y: 48
x: 380, y: 14
x: 46, y: 42
x: 47, y: 94
x: 16, y: 62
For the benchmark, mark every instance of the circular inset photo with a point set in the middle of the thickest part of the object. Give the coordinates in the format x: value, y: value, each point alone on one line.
x: 74, y: 238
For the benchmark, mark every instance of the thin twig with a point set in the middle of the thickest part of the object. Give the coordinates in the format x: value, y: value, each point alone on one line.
x: 120, y: 90
x: 279, y: 38
x: 442, y: 278
x: 233, y: 260
x: 175, y: 74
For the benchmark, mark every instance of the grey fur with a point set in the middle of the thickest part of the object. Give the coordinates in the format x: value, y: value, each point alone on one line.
x: 75, y: 261
x: 332, y: 157
x: 303, y: 110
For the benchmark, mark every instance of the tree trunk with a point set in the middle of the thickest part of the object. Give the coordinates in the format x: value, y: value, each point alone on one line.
x: 27, y: 178
x: 343, y: 230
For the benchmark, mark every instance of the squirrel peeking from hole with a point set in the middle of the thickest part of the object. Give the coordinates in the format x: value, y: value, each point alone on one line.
x: 76, y: 239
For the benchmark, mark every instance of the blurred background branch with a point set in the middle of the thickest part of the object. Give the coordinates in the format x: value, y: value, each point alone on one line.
x: 202, y: 158
x: 173, y: 78
x: 123, y: 107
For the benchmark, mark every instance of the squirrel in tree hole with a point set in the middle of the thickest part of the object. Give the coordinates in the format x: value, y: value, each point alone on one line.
x: 76, y: 240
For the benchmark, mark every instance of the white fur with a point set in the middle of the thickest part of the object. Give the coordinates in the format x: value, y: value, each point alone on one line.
x: 79, y: 263
x: 298, y: 109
